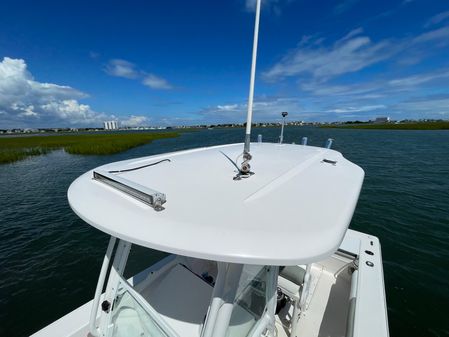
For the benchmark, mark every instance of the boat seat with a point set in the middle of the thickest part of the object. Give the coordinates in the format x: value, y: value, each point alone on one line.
x: 291, y: 280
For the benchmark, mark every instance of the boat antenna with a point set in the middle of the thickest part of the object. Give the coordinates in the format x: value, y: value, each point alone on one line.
x: 245, y: 169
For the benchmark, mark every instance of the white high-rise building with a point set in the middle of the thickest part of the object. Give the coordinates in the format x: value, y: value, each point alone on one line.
x: 110, y: 125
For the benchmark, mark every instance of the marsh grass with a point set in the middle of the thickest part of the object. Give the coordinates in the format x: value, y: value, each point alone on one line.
x: 440, y: 125
x: 17, y: 148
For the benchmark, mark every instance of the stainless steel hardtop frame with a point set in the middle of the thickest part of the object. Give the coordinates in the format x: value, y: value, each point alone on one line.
x: 231, y: 293
x: 232, y: 286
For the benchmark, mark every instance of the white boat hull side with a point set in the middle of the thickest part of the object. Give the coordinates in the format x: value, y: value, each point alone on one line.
x: 370, y: 316
x: 74, y: 324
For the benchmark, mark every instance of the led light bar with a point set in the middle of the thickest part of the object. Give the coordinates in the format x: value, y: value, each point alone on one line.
x: 144, y: 194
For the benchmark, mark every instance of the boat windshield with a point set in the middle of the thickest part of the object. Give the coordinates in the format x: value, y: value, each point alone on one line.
x: 250, y: 301
x: 132, y: 316
x: 186, y: 297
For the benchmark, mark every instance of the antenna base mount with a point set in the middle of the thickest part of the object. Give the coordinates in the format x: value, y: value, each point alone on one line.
x: 245, y: 168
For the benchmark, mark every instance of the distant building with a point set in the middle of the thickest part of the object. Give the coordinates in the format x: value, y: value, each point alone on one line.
x: 380, y: 120
x: 110, y: 125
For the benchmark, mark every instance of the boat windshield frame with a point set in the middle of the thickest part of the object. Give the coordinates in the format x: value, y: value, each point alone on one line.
x: 125, y: 287
x: 230, y: 283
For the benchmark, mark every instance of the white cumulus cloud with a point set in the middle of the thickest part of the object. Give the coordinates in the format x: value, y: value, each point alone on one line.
x: 26, y: 102
x: 122, y: 68
x: 126, y: 69
x: 133, y: 121
x: 156, y: 82
x: 228, y: 107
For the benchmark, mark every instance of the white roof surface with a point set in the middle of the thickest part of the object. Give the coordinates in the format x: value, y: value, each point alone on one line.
x: 295, y: 209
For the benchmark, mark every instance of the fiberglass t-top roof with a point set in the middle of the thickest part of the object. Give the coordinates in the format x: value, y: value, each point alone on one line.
x: 295, y: 209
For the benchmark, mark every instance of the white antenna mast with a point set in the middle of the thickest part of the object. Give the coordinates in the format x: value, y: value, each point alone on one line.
x: 245, y: 168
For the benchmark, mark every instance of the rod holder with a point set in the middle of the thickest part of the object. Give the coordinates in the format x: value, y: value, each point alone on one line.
x: 304, y: 141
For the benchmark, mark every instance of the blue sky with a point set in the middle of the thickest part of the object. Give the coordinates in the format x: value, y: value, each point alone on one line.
x: 76, y: 63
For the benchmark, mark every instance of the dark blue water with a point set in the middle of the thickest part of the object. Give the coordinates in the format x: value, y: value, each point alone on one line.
x: 50, y: 259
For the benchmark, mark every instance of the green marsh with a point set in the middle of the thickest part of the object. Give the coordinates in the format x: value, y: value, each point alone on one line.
x: 17, y: 148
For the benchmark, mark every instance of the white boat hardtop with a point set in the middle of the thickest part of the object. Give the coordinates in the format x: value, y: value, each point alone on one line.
x: 305, y: 195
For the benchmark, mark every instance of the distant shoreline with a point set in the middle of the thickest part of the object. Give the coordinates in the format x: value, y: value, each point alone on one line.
x: 440, y: 125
